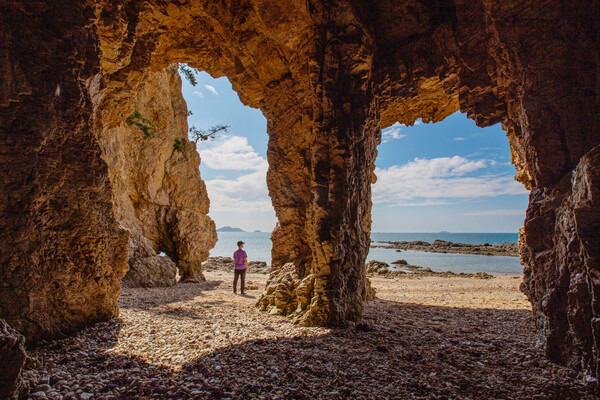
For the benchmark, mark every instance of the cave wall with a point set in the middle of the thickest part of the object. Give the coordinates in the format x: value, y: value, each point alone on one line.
x: 62, y: 253
x: 157, y: 191
x: 328, y: 76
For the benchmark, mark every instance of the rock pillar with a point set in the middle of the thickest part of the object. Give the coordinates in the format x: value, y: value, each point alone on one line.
x: 553, y: 124
x: 321, y: 169
x: 62, y: 253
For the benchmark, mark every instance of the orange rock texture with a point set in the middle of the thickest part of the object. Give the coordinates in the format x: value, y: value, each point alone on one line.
x: 328, y: 75
x: 158, y: 194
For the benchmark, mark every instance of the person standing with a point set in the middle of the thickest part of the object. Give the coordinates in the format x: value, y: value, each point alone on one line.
x: 240, y: 259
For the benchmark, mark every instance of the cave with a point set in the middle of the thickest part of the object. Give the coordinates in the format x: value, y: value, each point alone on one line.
x: 328, y: 76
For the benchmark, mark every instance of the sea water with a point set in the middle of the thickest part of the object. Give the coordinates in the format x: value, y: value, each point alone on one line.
x: 258, y: 247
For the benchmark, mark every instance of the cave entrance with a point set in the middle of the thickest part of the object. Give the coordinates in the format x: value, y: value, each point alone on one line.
x: 440, y: 185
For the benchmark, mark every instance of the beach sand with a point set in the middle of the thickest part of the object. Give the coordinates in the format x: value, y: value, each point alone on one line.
x: 429, y: 338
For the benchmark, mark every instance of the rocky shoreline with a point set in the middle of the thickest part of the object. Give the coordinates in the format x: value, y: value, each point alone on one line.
x: 225, y: 264
x: 379, y: 268
x: 443, y: 246
x: 414, y: 271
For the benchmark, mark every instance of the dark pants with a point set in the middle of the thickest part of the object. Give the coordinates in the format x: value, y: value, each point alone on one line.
x: 239, y: 273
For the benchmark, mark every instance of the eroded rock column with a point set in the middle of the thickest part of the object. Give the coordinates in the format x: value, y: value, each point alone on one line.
x: 549, y: 82
x: 321, y: 169
x: 62, y: 253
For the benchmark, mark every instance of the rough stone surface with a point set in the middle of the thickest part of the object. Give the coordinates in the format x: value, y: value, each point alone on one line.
x: 225, y: 264
x: 13, y: 358
x: 62, y: 253
x: 443, y: 246
x: 158, y: 193
x: 328, y: 76
x: 561, y: 258
x: 146, y: 268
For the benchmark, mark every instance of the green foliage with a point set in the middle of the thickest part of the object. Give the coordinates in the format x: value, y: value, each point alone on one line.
x: 197, y: 135
x: 178, y: 144
x: 189, y: 74
x: 138, y: 120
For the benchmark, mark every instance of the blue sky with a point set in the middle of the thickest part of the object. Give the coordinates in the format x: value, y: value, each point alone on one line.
x: 450, y: 176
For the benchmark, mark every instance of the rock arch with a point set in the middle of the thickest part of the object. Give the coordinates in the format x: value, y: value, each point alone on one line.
x: 328, y: 76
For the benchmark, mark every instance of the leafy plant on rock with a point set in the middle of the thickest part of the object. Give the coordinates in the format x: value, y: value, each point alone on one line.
x: 138, y: 120
x: 178, y: 145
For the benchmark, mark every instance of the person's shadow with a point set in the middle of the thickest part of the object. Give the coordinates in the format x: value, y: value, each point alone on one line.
x: 247, y: 296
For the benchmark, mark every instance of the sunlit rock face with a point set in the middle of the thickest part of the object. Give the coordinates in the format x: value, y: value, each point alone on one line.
x: 328, y: 75
x: 156, y: 187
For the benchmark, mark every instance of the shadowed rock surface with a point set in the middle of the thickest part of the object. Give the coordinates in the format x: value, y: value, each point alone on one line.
x: 443, y: 246
x: 12, y: 349
x: 327, y: 76
x: 62, y: 251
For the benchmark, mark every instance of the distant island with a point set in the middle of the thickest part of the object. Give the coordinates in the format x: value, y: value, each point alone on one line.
x: 229, y: 229
x: 257, y: 231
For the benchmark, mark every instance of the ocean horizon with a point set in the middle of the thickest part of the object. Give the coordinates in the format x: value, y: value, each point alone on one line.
x: 258, y: 246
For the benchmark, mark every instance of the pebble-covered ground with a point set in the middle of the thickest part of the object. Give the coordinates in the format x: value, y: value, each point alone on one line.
x: 430, y: 338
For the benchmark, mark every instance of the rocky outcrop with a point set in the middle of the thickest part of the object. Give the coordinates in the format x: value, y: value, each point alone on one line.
x: 327, y: 75
x: 158, y: 193
x: 405, y: 270
x: 12, y: 348
x: 146, y: 268
x: 225, y: 264
x: 62, y: 252
x: 444, y: 246
x: 561, y: 259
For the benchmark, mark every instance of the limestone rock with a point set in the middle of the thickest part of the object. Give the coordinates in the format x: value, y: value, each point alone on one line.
x: 328, y: 75
x: 375, y: 267
x: 146, y: 268
x: 62, y: 251
x: 561, y: 256
x: 13, y: 358
x: 158, y: 193
x: 225, y: 264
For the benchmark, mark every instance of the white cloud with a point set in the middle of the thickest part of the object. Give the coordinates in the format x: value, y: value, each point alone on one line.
x: 231, y: 153
x: 248, y: 193
x: 391, y: 133
x: 199, y: 94
x: 212, y: 89
x: 423, y: 180
x: 493, y: 213
x: 418, y: 122
x: 459, y: 139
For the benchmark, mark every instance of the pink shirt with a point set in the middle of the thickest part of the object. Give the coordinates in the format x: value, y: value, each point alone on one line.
x: 238, y: 258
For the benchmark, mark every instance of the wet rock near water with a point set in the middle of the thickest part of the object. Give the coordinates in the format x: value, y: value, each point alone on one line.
x: 381, y: 268
x: 443, y: 246
x: 226, y: 264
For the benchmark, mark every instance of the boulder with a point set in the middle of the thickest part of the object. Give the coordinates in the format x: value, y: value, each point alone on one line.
x: 12, y: 351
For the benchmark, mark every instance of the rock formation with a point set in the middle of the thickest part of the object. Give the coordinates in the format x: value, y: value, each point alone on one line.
x: 327, y: 75
x: 157, y: 191
x: 62, y: 252
x: 13, y: 358
x: 443, y: 246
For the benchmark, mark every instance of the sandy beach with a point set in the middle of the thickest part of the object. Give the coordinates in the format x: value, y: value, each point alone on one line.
x: 428, y: 338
